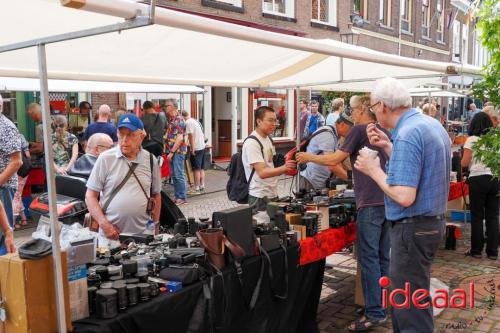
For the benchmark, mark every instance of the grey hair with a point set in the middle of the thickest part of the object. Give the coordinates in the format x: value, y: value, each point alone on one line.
x: 173, y: 101
x: 97, y: 139
x: 392, y: 93
x: 337, y: 103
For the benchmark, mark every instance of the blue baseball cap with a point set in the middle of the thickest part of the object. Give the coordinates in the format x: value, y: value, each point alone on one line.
x: 130, y: 121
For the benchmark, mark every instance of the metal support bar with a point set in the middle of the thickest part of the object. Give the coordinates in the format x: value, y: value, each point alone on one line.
x: 152, y: 11
x: 341, y: 68
x: 403, y: 77
x: 298, y: 136
x: 140, y: 21
x: 51, y: 185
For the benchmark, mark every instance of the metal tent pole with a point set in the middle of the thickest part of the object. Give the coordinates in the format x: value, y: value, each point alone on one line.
x: 50, y: 176
x: 298, y: 135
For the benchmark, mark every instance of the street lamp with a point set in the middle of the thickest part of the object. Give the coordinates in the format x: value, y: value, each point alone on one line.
x: 350, y: 37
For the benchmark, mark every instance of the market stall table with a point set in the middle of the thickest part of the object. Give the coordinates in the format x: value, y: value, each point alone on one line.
x: 176, y: 312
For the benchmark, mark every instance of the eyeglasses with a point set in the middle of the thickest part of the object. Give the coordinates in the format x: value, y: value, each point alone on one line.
x: 371, y: 107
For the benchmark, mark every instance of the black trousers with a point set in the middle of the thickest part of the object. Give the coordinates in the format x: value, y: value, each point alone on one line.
x: 484, y: 205
x: 413, y: 247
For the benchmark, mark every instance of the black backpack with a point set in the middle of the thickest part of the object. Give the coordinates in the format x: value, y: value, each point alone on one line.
x: 237, y: 185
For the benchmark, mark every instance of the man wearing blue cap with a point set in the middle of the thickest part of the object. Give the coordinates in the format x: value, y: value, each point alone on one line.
x: 123, y: 190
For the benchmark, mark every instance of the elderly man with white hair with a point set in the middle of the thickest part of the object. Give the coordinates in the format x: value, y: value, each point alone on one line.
x: 123, y: 190
x: 102, y: 125
x: 10, y: 162
x: 97, y: 144
x: 416, y: 184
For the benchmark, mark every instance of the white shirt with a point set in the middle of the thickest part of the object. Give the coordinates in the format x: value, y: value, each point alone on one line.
x: 476, y: 168
x: 251, y: 153
x: 193, y: 127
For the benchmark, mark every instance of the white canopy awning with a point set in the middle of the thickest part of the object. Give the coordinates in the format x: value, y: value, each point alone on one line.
x: 433, y: 92
x: 187, y: 49
x: 27, y: 84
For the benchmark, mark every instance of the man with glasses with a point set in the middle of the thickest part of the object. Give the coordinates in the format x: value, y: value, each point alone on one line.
x: 176, y: 149
x: 415, y: 185
x: 125, y: 181
x: 372, y: 231
x: 97, y: 144
x: 257, y: 154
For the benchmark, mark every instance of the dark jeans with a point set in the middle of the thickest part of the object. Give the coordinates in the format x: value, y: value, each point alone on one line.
x: 6, y: 197
x: 484, y: 205
x: 373, y: 244
x: 413, y: 246
x: 258, y: 204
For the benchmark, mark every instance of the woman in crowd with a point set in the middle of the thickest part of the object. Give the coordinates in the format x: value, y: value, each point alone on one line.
x: 430, y: 110
x: 483, y: 193
x: 17, y: 203
x: 64, y: 145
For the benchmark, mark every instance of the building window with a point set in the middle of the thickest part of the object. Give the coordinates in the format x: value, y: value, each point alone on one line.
x: 440, y: 21
x: 456, y: 41
x: 384, y: 12
x: 279, y: 7
x: 406, y: 15
x: 236, y: 3
x: 324, y: 11
x: 465, y: 43
x: 360, y: 7
x: 282, y: 103
x: 426, y: 18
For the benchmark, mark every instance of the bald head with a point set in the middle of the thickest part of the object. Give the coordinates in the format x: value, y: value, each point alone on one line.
x: 98, y: 143
x: 35, y: 112
x: 104, y: 113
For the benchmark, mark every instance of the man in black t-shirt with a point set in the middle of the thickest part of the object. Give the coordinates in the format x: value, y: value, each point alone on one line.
x: 155, y: 124
x: 373, y: 242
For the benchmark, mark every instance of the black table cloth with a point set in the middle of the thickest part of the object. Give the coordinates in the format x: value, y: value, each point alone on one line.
x: 188, y: 310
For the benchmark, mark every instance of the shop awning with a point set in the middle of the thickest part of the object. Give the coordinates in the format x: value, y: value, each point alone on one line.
x: 434, y: 92
x: 186, y: 49
x: 27, y: 84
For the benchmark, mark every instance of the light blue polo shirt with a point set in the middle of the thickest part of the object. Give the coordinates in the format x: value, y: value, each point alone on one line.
x: 127, y: 210
x: 421, y: 158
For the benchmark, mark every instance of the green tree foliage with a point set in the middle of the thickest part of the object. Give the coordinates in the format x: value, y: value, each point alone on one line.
x: 489, y: 26
x: 487, y: 148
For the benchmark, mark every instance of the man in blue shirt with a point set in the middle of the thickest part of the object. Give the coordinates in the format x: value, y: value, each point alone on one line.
x: 416, y: 193
x: 102, y: 125
x: 314, y: 121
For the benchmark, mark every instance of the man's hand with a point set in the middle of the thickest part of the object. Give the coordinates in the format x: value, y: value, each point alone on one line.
x: 290, y: 165
x: 303, y: 157
x: 377, y: 137
x: 110, y: 231
x: 170, y: 156
x: 9, y: 242
x: 367, y: 165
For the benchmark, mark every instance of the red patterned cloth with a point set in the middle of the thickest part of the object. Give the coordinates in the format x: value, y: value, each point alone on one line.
x: 458, y: 189
x: 326, y: 242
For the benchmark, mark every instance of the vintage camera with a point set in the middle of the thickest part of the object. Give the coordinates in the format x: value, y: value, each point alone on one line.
x: 295, y: 207
x: 341, y: 214
x: 181, y: 226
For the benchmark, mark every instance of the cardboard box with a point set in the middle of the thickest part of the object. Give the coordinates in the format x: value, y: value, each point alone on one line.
x: 78, y: 292
x: 293, y: 218
x: 302, y: 230
x: 27, y: 286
